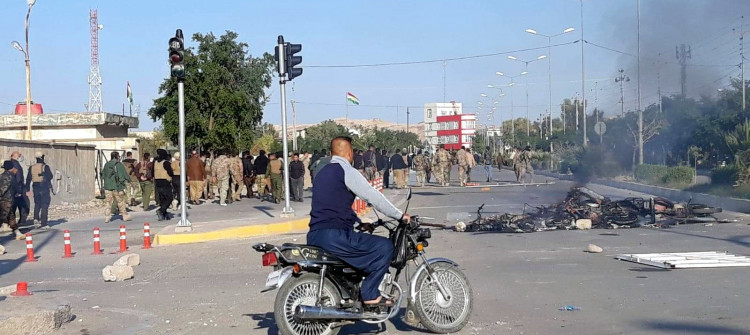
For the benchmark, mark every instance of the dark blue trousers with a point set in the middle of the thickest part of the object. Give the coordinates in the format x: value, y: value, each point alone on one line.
x: 369, y: 253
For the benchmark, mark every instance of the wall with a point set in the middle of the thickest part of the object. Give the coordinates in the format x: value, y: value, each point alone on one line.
x: 75, y: 163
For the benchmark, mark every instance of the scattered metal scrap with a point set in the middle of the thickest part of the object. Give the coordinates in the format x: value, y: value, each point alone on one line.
x: 685, y: 260
x: 582, y: 204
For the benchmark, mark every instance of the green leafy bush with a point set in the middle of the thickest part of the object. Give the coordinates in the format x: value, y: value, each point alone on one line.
x: 660, y: 175
x: 724, y: 175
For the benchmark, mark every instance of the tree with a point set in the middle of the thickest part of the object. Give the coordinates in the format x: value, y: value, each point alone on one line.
x: 224, y: 94
x: 319, y: 136
x: 159, y: 140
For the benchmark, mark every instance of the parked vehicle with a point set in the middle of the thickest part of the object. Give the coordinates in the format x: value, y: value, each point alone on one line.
x: 319, y: 293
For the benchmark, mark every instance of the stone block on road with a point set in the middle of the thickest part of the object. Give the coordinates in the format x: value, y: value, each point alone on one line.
x: 583, y: 224
x: 117, y: 272
x: 129, y: 260
x: 593, y: 248
x: 2, y: 249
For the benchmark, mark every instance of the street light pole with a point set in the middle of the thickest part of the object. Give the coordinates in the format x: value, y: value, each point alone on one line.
x: 549, y: 66
x: 526, y: 71
x: 25, y: 51
x: 583, y: 82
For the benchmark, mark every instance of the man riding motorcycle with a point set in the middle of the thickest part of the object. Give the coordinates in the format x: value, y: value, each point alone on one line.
x: 332, y: 220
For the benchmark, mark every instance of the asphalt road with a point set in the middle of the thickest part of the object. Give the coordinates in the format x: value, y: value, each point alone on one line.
x: 519, y: 280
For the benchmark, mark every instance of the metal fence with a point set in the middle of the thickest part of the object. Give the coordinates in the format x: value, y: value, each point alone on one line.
x: 73, y: 167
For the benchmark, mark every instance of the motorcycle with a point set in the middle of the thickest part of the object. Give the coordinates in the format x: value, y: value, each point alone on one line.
x: 319, y: 293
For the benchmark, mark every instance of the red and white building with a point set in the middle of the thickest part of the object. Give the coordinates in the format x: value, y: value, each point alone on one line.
x: 445, y: 123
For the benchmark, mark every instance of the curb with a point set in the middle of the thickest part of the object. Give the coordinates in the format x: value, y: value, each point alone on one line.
x: 297, y: 225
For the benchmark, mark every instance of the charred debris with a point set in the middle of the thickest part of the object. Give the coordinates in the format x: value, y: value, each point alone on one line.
x: 585, y: 209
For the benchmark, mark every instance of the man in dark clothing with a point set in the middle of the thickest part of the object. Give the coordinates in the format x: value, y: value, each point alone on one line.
x: 332, y: 220
x: 7, y: 191
x: 370, y: 162
x: 296, y: 178
x: 399, y: 169
x: 20, y: 200
x: 248, y: 173
x: 359, y: 162
x: 39, y: 179
x: 163, y: 175
x: 384, y: 166
x: 261, y: 166
x: 487, y: 157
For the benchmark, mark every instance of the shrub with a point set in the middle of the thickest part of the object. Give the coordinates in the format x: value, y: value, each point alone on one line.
x: 724, y: 175
x: 660, y: 175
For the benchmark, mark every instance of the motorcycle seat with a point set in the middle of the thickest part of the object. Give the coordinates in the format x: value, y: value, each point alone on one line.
x: 310, y: 253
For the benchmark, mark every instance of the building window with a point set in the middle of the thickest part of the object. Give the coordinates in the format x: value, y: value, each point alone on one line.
x: 429, y: 112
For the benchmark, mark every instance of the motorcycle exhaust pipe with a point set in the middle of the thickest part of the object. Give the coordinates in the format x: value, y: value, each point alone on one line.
x: 303, y: 312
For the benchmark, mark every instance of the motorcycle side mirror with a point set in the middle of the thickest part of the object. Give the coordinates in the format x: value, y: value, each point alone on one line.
x: 408, y: 194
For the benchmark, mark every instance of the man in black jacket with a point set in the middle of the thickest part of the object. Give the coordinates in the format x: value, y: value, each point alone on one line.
x: 248, y: 171
x: 384, y: 166
x: 20, y: 200
x: 296, y: 178
x: 260, y: 166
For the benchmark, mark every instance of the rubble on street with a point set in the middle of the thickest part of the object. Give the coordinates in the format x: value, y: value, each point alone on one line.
x: 585, y: 209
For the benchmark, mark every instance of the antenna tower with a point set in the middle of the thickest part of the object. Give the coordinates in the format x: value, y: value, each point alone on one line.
x: 95, y: 78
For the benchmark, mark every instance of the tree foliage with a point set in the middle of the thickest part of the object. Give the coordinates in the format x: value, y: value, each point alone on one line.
x: 224, y: 94
x: 319, y: 137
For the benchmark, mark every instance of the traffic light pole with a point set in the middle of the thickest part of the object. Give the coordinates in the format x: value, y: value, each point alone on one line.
x: 184, y: 225
x: 287, y: 211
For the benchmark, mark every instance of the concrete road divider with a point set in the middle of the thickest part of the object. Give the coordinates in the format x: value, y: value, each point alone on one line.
x: 298, y: 225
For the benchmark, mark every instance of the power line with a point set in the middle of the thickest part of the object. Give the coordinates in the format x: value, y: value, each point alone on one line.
x: 655, y: 59
x: 441, y: 59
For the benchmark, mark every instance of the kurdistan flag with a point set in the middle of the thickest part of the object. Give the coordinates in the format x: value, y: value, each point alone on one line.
x: 352, y: 98
x: 130, y: 94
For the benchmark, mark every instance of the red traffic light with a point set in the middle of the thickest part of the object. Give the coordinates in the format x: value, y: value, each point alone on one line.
x: 175, y: 57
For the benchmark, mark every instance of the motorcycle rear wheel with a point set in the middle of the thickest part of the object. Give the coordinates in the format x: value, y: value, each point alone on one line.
x: 303, y: 290
x: 440, y: 315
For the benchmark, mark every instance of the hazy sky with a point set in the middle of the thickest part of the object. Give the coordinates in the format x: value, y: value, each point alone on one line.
x: 133, y: 47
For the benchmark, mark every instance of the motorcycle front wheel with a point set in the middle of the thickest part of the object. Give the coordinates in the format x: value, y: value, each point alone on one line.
x: 303, y: 290
x: 436, y: 313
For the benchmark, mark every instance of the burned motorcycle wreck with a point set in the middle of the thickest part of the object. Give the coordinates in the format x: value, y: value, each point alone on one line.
x: 586, y: 209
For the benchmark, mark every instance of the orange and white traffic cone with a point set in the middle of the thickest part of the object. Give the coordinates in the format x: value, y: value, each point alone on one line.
x: 123, y: 240
x: 66, y: 241
x: 97, y: 243
x: 146, y: 236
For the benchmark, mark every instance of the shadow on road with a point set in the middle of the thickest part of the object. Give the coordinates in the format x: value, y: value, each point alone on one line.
x: 265, y: 210
x: 267, y: 321
x: 690, y: 328
x: 6, y: 266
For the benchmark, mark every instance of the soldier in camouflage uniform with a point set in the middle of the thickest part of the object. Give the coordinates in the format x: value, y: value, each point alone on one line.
x: 444, y: 164
x: 7, y: 191
x: 436, y: 169
x: 115, y: 177
x: 220, y: 172
x: 208, y: 188
x: 238, y: 179
x: 420, y: 164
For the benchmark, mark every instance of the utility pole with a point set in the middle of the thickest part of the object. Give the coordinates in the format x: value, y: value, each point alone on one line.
x: 622, y: 78
x: 562, y: 109
x: 596, y: 101
x: 407, y: 119
x: 294, y: 124
x: 583, y: 82
x: 742, y: 59
x: 445, y: 64
x: 577, y: 116
x: 638, y: 83
x: 683, y: 53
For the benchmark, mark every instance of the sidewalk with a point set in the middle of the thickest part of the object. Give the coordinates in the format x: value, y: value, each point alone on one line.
x: 265, y: 220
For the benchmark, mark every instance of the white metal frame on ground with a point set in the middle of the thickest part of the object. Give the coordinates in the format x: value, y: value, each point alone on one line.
x: 686, y: 260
